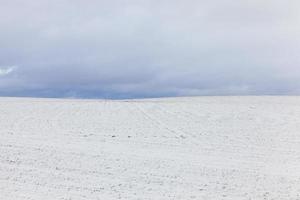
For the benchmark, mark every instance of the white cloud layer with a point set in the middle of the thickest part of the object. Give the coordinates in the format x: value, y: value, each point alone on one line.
x: 6, y: 70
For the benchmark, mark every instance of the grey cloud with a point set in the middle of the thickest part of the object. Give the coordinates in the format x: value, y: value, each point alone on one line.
x: 128, y: 49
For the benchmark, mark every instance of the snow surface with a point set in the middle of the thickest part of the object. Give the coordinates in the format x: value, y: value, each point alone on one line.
x: 172, y: 148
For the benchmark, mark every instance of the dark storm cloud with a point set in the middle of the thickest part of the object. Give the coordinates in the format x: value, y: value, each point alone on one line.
x: 127, y: 49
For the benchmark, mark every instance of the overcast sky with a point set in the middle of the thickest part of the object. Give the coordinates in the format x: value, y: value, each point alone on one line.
x: 149, y: 48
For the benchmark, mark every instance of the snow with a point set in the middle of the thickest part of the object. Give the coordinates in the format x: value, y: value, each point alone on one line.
x: 169, y: 148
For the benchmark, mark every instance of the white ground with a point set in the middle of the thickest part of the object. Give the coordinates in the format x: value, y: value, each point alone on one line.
x: 181, y: 148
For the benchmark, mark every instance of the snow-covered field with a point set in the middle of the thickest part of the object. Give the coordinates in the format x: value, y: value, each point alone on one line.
x: 160, y: 149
